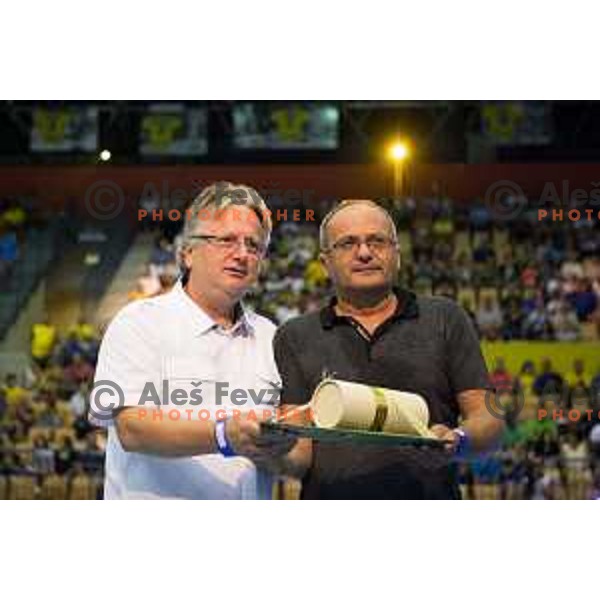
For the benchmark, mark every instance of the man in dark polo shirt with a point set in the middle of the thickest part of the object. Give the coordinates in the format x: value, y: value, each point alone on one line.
x: 376, y: 334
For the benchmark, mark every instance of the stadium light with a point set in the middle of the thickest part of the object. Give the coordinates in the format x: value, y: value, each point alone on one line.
x: 105, y: 155
x: 398, y: 153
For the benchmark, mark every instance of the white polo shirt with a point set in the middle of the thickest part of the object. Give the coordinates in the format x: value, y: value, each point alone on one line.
x: 167, y: 348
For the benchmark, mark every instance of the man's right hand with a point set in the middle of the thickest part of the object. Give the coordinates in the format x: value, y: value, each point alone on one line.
x: 245, y: 437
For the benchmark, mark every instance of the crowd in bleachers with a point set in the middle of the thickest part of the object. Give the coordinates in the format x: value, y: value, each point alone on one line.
x: 48, y: 449
x: 17, y: 216
x: 518, y: 279
x: 13, y: 219
x: 522, y: 279
x: 551, y: 444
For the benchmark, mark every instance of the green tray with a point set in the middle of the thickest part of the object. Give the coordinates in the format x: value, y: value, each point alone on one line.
x: 351, y: 436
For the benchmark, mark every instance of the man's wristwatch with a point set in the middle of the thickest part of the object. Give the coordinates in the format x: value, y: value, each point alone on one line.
x: 225, y: 448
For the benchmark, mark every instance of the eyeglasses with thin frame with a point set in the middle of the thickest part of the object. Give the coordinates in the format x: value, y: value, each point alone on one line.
x: 377, y: 244
x: 229, y: 243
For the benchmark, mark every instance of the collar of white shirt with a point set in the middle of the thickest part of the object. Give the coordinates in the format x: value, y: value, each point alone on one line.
x: 203, y: 323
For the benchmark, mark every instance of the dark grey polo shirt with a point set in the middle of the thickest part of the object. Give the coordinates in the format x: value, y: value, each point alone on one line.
x: 429, y: 347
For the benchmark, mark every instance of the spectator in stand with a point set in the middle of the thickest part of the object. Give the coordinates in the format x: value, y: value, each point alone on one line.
x: 78, y: 403
x: 526, y: 378
x: 13, y: 392
x: 65, y: 456
x: 564, y: 324
x: 69, y: 348
x: 547, y: 444
x: 24, y: 412
x: 3, y: 405
x: 513, y: 321
x: 149, y: 202
x: 546, y: 486
x: 595, y: 394
x: 536, y: 325
x: 579, y: 380
x: 529, y: 276
x: 548, y: 381
x: 583, y: 300
x: 315, y: 274
x: 595, y: 490
x: 576, y: 462
x: 147, y: 285
x: 88, y: 342
x: 14, y: 215
x: 42, y: 456
x: 579, y: 376
x: 506, y: 268
x: 77, y: 372
x: 9, y: 252
x: 480, y: 218
x: 594, y: 442
x: 163, y: 257
x: 463, y: 270
x: 572, y: 267
x: 49, y: 416
x: 443, y: 226
x: 500, y: 378
x: 483, y: 251
x: 489, y: 318
x: 43, y: 339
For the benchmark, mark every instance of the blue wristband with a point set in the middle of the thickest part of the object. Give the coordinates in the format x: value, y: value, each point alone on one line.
x: 463, y: 442
x: 225, y: 448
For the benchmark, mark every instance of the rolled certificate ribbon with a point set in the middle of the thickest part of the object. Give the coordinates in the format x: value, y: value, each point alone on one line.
x: 347, y: 405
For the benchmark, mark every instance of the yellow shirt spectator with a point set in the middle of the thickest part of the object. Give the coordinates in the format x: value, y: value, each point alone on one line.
x: 14, y: 216
x: 83, y: 331
x: 526, y: 380
x: 578, y: 376
x: 315, y: 273
x: 42, y: 340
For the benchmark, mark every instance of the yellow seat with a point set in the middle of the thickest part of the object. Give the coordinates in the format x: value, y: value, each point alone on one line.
x: 3, y: 488
x: 64, y: 412
x: 287, y: 489
x: 25, y: 450
x: 62, y: 434
x: 487, y: 491
x: 22, y: 487
x: 82, y: 488
x: 54, y: 487
x: 38, y: 432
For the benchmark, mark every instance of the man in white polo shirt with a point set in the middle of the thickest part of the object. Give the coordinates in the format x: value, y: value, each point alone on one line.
x: 183, y: 378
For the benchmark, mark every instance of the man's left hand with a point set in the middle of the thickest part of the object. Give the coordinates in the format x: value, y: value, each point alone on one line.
x: 450, y: 437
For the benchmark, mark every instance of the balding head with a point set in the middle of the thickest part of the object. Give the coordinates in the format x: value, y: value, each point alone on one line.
x: 324, y: 240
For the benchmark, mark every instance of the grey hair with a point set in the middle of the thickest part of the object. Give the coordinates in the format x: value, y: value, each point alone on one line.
x: 323, y: 238
x: 219, y: 196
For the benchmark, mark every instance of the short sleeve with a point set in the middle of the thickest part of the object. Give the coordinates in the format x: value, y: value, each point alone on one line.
x: 129, y: 359
x: 295, y: 389
x: 466, y: 366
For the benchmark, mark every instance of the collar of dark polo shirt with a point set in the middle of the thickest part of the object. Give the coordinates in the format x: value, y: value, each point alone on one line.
x: 406, y: 308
